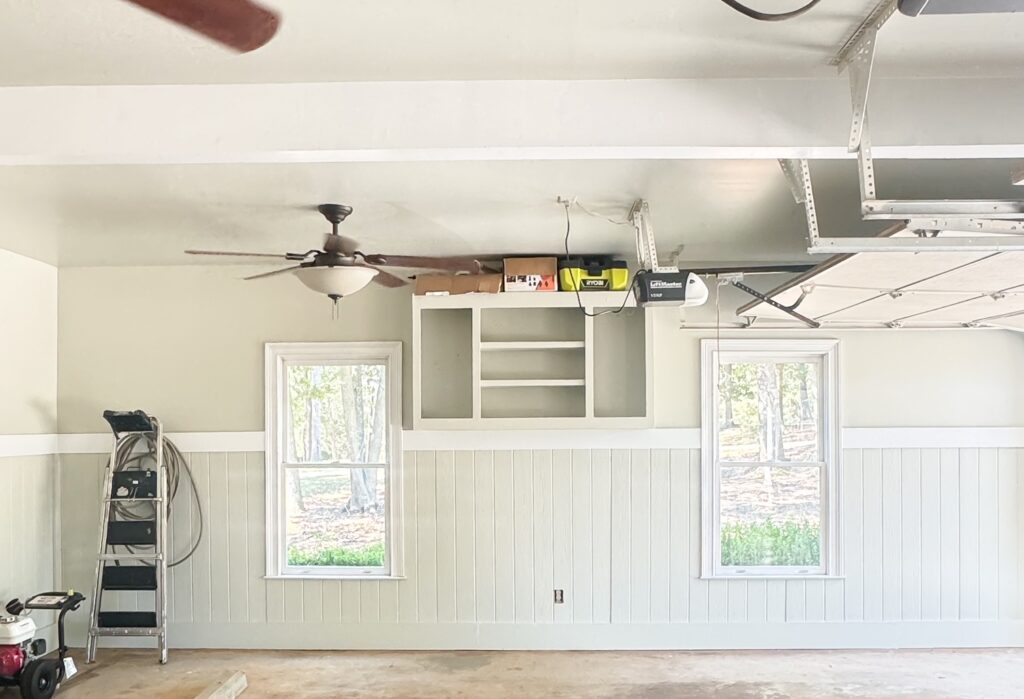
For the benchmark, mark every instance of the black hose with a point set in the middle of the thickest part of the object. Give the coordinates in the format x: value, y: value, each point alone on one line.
x: 129, y: 457
x: 769, y: 16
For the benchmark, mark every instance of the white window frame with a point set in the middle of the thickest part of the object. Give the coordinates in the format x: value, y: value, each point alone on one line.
x: 713, y: 351
x: 278, y: 356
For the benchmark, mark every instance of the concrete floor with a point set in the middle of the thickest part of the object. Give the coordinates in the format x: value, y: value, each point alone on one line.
x: 988, y: 674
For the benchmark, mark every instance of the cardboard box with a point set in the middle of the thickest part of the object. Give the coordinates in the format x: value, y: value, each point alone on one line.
x: 531, y: 274
x: 452, y: 284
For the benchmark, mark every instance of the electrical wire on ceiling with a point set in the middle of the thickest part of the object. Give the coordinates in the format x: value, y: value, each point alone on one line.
x: 137, y: 452
x: 769, y: 16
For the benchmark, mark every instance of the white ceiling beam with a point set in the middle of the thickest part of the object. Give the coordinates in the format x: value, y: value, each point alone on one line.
x: 501, y: 120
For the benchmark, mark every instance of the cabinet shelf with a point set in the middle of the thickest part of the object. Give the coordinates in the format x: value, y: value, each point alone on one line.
x: 531, y: 345
x: 523, y: 383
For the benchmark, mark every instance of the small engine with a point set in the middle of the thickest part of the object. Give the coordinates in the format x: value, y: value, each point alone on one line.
x: 16, y: 646
x: 22, y: 661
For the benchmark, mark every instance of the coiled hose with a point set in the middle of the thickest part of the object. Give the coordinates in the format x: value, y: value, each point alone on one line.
x: 137, y: 452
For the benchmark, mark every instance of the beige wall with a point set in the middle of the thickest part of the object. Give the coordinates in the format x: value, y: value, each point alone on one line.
x: 28, y: 405
x: 28, y: 345
x: 888, y: 378
x: 186, y: 343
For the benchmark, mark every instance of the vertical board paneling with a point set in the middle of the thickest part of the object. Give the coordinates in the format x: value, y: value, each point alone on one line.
x: 220, y: 555
x: 796, y: 600
x: 238, y: 546
x: 949, y: 532
x: 640, y: 536
x: 660, y: 547
x: 853, y: 544
x: 504, y: 539
x: 928, y: 534
x: 408, y: 610
x: 27, y: 528
x: 873, y: 534
x: 970, y: 518
x: 426, y: 538
x: 699, y: 595
x: 582, y: 539
x: 351, y: 601
x: 447, y: 580
x: 814, y: 600
x: 543, y: 530
x: 892, y: 545
x: 256, y: 536
x: 931, y: 537
x: 465, y: 540
x: 621, y: 562
x: 522, y: 485
x: 312, y: 601
x: 910, y: 526
x: 601, y: 507
x: 1011, y: 511
x: 679, y: 536
x: 561, y: 520
x: 485, y: 536
x: 330, y: 601
x: 988, y: 534
x: 369, y: 603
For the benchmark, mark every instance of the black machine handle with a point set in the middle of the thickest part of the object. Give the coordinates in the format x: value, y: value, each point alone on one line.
x: 123, y: 421
x: 63, y: 601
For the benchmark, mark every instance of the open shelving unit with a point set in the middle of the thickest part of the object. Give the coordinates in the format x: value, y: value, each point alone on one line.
x: 530, y: 361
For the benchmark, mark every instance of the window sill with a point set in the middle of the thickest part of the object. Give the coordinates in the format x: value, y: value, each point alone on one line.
x: 767, y: 576
x: 334, y: 577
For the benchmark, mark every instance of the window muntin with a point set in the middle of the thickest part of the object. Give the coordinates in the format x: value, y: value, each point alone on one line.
x: 333, y: 459
x: 770, y: 457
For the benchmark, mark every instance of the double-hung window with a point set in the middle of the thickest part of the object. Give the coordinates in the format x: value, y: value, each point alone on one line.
x: 333, y: 459
x: 770, y: 455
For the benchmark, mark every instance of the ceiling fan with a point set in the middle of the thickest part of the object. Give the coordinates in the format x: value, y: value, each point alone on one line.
x: 340, y: 269
x: 242, y: 25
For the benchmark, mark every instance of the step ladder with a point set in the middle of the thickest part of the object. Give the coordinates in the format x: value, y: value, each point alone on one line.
x: 141, y: 564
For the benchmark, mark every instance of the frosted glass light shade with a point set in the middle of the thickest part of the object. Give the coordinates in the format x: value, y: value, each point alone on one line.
x: 336, y: 281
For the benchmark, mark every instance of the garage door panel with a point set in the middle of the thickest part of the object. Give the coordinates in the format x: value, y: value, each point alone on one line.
x: 886, y: 309
x: 976, y: 309
x: 993, y: 273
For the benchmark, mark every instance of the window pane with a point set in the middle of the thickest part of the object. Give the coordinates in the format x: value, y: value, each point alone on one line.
x: 771, y: 515
x: 336, y: 517
x: 768, y: 411
x: 337, y: 413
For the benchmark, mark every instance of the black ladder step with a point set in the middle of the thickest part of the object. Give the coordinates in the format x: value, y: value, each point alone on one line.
x: 127, y: 620
x: 131, y: 533
x: 129, y: 578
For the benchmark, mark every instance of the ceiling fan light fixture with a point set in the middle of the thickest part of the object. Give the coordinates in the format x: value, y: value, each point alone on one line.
x: 336, y: 282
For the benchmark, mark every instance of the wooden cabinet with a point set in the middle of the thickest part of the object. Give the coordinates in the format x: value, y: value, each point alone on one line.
x: 530, y: 361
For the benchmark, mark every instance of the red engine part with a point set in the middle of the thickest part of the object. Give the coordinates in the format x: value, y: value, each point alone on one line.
x: 12, y: 658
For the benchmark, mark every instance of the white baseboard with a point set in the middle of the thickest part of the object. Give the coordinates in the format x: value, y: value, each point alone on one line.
x: 780, y: 636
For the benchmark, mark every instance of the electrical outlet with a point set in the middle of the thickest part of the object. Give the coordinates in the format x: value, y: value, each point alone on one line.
x: 559, y: 597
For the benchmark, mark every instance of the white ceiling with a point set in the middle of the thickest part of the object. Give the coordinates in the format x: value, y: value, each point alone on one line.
x: 722, y: 211
x: 113, y: 42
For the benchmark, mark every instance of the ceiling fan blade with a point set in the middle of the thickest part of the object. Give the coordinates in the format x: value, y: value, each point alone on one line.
x: 280, y: 256
x: 387, y: 279
x: 448, y: 264
x: 343, y: 245
x: 271, y: 274
x: 239, y: 24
